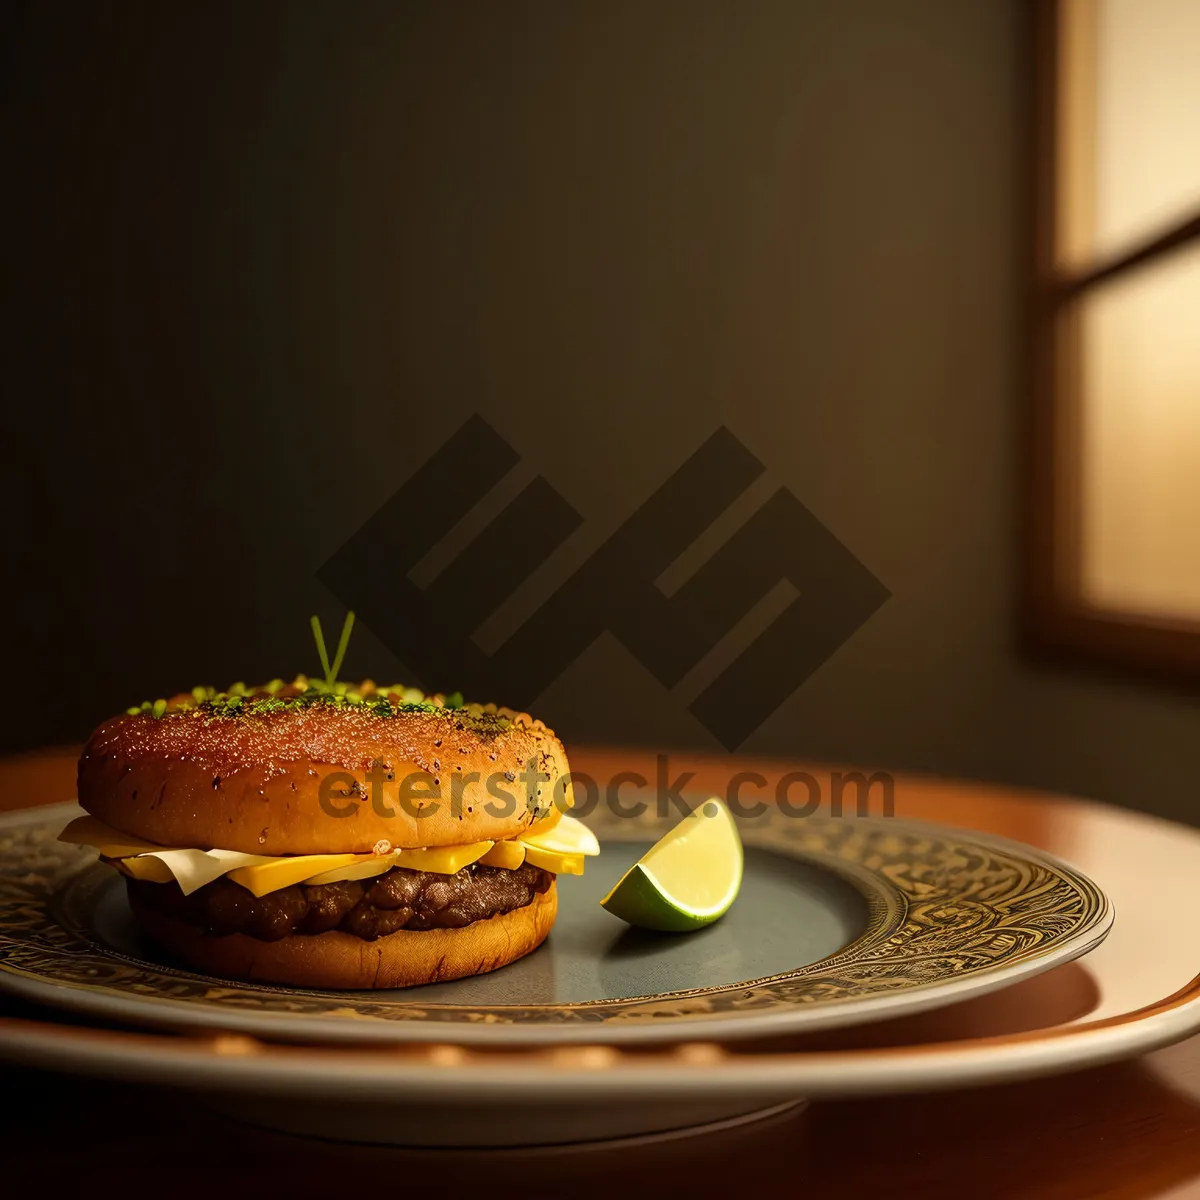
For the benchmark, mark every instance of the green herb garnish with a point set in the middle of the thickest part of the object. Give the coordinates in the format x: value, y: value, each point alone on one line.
x: 277, y: 696
x: 331, y: 670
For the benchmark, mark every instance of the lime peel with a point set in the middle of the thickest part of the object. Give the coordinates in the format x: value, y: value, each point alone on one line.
x: 686, y: 880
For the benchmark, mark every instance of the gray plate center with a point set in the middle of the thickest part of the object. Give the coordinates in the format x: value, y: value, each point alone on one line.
x: 789, y: 914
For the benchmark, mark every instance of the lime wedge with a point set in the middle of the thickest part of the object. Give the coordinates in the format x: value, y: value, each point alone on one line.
x: 688, y: 879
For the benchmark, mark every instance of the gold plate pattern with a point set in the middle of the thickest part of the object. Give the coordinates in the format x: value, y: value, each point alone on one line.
x: 950, y: 913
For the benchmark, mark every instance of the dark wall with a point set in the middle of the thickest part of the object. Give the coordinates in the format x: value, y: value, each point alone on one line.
x: 263, y: 258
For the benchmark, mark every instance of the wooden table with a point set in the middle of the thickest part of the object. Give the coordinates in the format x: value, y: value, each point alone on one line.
x: 1129, y: 1130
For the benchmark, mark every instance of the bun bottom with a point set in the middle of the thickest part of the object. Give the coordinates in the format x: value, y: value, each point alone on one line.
x: 340, y: 961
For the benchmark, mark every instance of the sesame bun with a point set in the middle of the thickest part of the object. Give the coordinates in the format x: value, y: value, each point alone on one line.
x: 341, y: 961
x: 283, y: 772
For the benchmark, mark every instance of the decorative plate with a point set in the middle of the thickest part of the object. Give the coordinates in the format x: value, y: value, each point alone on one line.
x: 839, y: 922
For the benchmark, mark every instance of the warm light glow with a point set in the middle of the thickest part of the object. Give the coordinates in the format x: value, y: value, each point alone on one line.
x: 1141, y: 439
x: 1129, y: 170
x: 1146, y: 123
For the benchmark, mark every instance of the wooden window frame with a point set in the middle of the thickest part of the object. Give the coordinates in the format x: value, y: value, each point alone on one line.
x: 1057, y: 622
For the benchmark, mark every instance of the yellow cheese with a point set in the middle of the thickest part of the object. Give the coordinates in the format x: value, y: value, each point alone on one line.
x: 508, y: 855
x: 569, y: 836
x: 363, y: 870
x: 125, y: 849
x: 144, y: 868
x: 559, y: 845
x: 193, y: 869
x: 283, y: 872
x: 554, y: 860
x: 444, y: 860
x: 112, y: 843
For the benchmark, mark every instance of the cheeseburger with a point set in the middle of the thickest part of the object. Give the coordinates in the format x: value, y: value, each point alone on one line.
x: 333, y: 835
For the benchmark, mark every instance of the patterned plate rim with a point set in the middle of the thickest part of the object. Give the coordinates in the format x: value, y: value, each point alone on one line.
x: 951, y: 913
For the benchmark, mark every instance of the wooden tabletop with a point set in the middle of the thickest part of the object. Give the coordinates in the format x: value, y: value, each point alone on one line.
x: 1128, y: 1130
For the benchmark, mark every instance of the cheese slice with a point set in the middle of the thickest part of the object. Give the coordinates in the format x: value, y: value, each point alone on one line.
x: 559, y: 845
x: 112, y: 843
x: 568, y: 836
x: 509, y: 855
x: 149, y: 869
x: 364, y: 870
x: 554, y: 861
x: 192, y: 869
x: 272, y: 874
x: 444, y: 860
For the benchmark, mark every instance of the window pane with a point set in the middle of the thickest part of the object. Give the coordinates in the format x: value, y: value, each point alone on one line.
x: 1147, y: 119
x: 1140, y: 429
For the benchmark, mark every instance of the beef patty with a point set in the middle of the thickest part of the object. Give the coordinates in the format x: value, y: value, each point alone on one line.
x: 368, y: 909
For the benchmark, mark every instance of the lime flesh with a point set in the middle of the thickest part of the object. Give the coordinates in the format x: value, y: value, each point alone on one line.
x: 688, y: 879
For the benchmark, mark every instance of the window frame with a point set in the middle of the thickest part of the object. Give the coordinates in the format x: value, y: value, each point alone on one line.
x: 1057, y: 622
